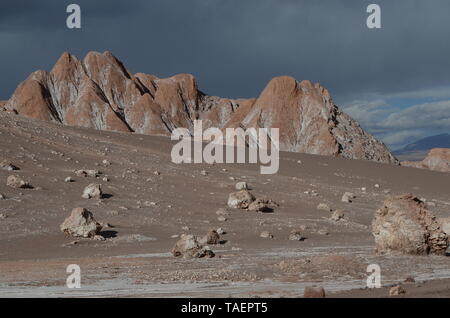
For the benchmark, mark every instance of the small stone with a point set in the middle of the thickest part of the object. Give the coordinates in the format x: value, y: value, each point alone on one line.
x: 220, y: 231
x: 5, y: 165
x: 92, y: 191
x: 189, y: 247
x: 396, y: 291
x: 68, y: 180
x: 314, y: 292
x: 222, y: 211
x: 377, y: 186
x: 106, y: 163
x: 212, y: 237
x: 17, y: 182
x: 185, y: 228
x: 262, y: 205
x: 323, y: 232
x: 204, y: 173
x: 337, y: 216
x: 410, y: 279
x: 348, y: 197
x: 324, y: 207
x: 296, y: 236
x: 240, y: 200
x: 266, y: 234
x: 99, y: 238
x: 87, y: 173
x: 222, y: 219
x: 242, y: 186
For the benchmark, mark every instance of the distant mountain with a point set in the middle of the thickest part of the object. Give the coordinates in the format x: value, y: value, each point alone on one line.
x: 419, y: 149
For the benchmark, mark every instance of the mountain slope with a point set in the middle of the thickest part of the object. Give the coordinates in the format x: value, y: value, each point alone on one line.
x: 419, y: 149
x: 99, y: 92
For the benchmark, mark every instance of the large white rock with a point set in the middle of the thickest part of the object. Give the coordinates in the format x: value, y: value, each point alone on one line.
x: 240, y: 200
x: 81, y: 223
x: 92, y: 191
x: 405, y: 225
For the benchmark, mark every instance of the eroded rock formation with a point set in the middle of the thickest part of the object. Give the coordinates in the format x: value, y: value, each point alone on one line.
x: 99, y: 92
x: 438, y: 159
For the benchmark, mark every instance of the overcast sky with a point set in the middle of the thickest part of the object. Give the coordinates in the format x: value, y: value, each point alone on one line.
x: 395, y: 81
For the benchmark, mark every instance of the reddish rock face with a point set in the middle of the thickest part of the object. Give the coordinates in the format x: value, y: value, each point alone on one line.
x: 438, y: 159
x: 100, y: 93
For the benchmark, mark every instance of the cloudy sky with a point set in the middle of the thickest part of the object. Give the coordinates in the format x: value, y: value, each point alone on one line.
x: 395, y: 81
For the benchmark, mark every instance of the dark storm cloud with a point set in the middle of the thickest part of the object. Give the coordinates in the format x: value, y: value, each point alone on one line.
x: 234, y: 47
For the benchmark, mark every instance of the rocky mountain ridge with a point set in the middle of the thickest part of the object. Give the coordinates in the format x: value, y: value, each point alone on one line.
x: 99, y: 92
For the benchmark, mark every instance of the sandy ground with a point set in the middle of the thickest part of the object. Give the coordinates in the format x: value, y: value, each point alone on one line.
x: 146, y: 210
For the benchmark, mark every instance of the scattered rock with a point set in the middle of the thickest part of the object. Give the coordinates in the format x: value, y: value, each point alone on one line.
x: 81, y: 223
x: 220, y: 231
x: 189, y: 247
x: 240, y: 200
x: 396, y: 291
x: 296, y: 236
x: 204, y: 173
x: 99, y: 238
x: 324, y: 207
x: 92, y: 191
x: 445, y: 225
x: 222, y: 212
x: 212, y: 237
x: 8, y: 166
x: 106, y: 163
x: 266, y: 234
x: 17, y: 183
x: 410, y: 279
x: 314, y: 292
x: 242, y: 186
x: 348, y: 197
x: 337, y: 216
x: 3, y: 216
x: 87, y: 173
x: 405, y: 225
x: 262, y: 205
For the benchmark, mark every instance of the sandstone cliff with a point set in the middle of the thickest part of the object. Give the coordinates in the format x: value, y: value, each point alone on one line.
x: 438, y: 159
x: 99, y: 92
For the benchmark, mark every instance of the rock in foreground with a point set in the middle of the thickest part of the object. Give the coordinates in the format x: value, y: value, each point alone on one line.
x: 81, y: 223
x: 92, y: 191
x: 314, y: 292
x: 190, y: 246
x: 240, y: 200
x: 405, y: 225
x: 17, y: 183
